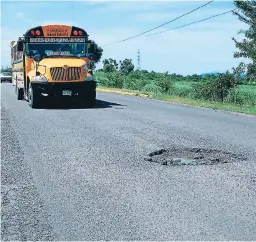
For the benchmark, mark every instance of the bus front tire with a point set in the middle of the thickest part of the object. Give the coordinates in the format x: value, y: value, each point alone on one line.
x: 19, y: 93
x: 33, y: 98
x: 90, y: 100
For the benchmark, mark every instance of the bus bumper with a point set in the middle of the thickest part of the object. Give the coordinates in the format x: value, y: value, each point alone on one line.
x: 64, y: 89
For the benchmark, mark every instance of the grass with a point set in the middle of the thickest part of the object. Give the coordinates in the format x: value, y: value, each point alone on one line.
x: 248, y: 88
x: 208, y: 104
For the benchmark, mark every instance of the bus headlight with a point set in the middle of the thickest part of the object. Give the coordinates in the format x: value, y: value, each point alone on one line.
x: 40, y: 79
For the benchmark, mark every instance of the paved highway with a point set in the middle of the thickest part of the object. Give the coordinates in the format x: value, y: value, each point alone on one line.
x: 80, y: 174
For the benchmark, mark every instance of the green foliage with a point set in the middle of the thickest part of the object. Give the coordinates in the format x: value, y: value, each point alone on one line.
x: 126, y: 66
x: 220, y: 88
x: 139, y: 78
x: 246, y: 12
x: 182, y: 91
x: 130, y: 83
x: 110, y: 65
x: 152, y: 88
x: 216, y: 89
x: 242, y: 98
x: 165, y: 82
x: 115, y: 79
x: 99, y: 51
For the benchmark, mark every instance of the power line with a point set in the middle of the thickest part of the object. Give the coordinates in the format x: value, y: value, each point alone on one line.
x: 161, y: 24
x: 182, y: 26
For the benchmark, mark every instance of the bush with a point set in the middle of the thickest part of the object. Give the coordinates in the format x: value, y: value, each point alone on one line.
x: 136, y: 80
x: 102, y: 80
x: 130, y: 83
x: 114, y: 79
x: 165, y: 82
x: 216, y: 89
x: 151, y: 88
x: 182, y: 91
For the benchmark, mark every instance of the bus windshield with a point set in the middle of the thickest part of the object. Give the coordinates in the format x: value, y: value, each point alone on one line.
x: 56, y: 49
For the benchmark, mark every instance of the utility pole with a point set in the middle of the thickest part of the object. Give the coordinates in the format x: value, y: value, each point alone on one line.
x: 138, y: 60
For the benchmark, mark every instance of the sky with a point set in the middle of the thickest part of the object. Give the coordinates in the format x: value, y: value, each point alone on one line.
x: 200, y: 48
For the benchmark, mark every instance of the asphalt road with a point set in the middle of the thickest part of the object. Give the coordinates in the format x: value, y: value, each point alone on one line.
x: 79, y: 174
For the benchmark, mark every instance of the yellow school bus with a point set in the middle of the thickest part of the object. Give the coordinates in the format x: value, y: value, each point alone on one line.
x: 52, y: 62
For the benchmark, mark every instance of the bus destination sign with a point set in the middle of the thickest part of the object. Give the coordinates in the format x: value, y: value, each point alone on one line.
x: 58, y: 32
x: 57, y: 40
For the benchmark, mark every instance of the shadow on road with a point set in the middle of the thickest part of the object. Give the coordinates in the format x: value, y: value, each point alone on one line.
x: 105, y: 104
x: 100, y: 104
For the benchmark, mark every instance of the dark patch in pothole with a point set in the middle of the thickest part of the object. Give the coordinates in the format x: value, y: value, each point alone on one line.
x: 192, y: 156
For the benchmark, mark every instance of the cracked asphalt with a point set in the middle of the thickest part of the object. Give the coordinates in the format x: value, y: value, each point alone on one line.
x: 80, y: 174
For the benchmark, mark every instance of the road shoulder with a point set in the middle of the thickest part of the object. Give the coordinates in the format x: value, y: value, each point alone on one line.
x: 23, y: 216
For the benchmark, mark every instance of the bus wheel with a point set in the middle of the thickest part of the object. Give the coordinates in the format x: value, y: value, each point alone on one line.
x: 19, y: 93
x: 33, y: 98
x: 90, y: 100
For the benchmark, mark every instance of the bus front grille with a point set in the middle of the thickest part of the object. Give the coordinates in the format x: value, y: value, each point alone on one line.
x: 61, y: 74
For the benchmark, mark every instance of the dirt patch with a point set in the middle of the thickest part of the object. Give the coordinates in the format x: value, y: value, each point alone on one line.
x: 192, y: 156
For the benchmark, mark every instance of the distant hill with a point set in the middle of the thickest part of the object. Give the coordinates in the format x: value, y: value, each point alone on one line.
x: 217, y: 74
x: 211, y: 74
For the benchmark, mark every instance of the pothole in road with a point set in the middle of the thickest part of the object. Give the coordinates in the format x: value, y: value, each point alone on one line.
x: 192, y: 156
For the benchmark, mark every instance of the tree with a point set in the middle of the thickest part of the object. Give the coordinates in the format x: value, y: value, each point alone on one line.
x: 126, y: 66
x: 246, y: 12
x: 238, y: 71
x: 110, y: 65
x: 165, y: 82
x: 215, y: 89
x: 99, y: 52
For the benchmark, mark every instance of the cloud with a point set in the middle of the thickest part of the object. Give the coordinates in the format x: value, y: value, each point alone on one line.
x: 153, y: 17
x: 21, y: 16
x: 131, y: 6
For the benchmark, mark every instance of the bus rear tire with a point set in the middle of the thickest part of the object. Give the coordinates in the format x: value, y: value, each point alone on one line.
x: 33, y: 98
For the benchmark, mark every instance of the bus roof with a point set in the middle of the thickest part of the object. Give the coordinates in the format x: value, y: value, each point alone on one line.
x: 60, y: 30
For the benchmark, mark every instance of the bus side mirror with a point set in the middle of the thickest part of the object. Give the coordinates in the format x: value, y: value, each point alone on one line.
x: 20, y: 45
x: 92, y: 52
x: 92, y: 56
x: 37, y: 58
